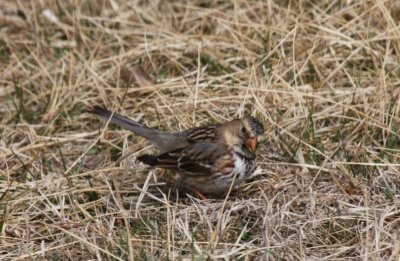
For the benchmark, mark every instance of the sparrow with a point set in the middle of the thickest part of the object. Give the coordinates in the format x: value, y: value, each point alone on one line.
x: 207, y: 159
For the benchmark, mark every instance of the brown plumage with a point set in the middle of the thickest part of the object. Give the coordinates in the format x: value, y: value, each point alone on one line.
x: 207, y: 158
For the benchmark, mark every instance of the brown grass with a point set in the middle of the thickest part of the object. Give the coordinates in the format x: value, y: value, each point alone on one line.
x: 324, y: 76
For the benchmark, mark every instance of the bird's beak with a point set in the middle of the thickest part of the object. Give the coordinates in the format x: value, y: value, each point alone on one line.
x: 252, y: 144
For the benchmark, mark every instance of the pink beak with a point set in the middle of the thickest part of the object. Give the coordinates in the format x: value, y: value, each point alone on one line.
x: 252, y: 144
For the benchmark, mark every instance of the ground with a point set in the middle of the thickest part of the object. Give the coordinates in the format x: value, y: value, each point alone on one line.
x: 323, y: 76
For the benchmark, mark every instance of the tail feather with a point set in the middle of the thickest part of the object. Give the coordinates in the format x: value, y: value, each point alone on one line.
x: 161, y: 140
x: 124, y: 122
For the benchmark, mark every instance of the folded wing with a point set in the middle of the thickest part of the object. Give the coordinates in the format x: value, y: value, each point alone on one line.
x: 199, y: 158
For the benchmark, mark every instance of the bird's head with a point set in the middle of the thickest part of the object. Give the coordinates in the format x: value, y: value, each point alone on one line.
x: 252, y: 133
x: 244, y: 135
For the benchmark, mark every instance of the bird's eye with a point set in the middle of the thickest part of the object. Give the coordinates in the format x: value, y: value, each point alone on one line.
x: 243, y: 129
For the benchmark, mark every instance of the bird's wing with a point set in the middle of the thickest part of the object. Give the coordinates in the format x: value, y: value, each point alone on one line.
x: 202, y: 133
x: 199, y: 158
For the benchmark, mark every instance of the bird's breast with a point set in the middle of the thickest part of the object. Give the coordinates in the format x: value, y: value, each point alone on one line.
x: 232, y: 168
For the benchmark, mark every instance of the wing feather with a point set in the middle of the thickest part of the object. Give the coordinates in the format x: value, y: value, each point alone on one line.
x: 199, y: 158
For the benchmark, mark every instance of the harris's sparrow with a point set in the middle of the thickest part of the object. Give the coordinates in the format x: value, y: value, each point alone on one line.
x: 207, y: 158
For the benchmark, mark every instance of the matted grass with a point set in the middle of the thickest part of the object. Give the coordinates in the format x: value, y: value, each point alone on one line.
x: 323, y: 76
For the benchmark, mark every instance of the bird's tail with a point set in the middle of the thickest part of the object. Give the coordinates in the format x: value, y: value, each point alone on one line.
x: 126, y: 123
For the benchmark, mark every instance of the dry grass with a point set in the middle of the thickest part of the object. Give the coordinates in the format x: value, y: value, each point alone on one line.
x: 324, y: 76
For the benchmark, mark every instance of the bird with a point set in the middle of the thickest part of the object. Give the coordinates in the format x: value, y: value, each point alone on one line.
x: 208, y: 159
